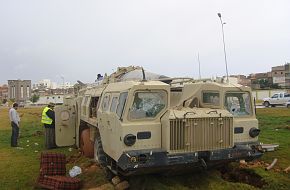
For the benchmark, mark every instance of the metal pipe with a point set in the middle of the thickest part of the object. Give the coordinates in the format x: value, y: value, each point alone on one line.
x: 272, y: 164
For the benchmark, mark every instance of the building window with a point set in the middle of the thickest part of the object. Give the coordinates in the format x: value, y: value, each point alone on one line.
x: 21, y: 91
x: 27, y: 91
x: 13, y: 91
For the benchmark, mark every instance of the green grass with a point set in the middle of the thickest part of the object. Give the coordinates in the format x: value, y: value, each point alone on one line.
x: 19, y: 168
x: 274, y: 124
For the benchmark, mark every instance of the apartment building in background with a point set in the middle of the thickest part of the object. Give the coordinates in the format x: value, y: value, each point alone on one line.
x: 19, y: 90
x: 3, y: 92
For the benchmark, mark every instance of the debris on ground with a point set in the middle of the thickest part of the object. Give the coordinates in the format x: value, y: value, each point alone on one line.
x: 106, y: 186
x: 272, y: 164
x: 74, y: 158
x: 116, y: 180
x: 75, y: 171
x: 38, y: 133
x: 122, y: 186
x: 286, y: 170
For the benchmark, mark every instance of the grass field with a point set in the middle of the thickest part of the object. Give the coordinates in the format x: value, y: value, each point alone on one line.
x: 19, y: 168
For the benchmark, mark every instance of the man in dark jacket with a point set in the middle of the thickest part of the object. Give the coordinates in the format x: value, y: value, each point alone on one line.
x: 48, y: 120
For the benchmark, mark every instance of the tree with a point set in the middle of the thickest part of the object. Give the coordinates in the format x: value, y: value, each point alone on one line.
x: 34, y: 98
x: 4, y: 101
x: 264, y: 83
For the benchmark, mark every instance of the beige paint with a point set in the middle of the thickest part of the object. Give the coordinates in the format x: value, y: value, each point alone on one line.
x: 178, y: 128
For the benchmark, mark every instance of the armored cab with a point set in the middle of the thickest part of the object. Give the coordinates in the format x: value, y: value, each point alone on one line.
x: 139, y: 126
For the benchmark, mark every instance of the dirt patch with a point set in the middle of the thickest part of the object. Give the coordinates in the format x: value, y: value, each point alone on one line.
x: 242, y: 175
x: 74, y: 158
x: 37, y: 133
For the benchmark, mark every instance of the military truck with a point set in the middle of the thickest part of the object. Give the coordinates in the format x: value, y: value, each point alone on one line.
x: 145, y: 126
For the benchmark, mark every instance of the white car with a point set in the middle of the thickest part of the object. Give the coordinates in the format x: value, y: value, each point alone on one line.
x: 287, y: 104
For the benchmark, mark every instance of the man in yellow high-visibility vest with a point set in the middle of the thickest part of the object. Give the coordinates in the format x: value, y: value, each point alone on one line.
x: 48, y: 120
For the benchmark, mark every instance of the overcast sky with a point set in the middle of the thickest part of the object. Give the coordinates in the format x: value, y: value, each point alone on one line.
x: 47, y: 39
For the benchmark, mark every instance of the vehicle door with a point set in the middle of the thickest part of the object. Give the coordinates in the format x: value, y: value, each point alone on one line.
x: 113, y: 123
x: 275, y: 99
x: 103, y: 120
x: 281, y: 99
x: 65, y: 124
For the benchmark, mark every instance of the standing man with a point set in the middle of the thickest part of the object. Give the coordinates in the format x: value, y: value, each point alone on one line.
x: 48, y: 119
x: 15, y: 120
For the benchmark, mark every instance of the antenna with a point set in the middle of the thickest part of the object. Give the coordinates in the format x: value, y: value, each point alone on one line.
x: 198, y: 66
x: 143, y: 73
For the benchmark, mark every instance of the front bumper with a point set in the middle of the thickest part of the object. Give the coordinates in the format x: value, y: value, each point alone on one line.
x: 156, y: 160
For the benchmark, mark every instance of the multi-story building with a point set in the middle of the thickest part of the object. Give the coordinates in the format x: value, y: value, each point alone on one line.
x: 242, y: 79
x: 3, y: 92
x: 278, y: 75
x: 19, y: 90
x: 45, y: 84
x: 260, y: 79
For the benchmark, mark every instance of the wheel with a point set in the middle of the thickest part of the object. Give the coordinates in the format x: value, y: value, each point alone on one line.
x: 266, y: 104
x: 86, y: 144
x: 288, y: 105
x: 99, y: 154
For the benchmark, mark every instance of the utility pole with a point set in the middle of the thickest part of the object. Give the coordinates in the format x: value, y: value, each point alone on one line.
x: 222, y: 24
x: 198, y: 66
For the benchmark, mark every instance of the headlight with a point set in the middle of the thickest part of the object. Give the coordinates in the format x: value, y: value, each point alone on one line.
x: 129, y: 139
x: 254, y: 132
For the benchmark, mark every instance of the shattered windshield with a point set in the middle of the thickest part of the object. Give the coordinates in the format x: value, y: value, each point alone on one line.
x: 238, y: 103
x: 148, y: 104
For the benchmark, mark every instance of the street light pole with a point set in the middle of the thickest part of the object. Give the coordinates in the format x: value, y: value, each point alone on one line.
x: 62, y: 84
x: 222, y: 23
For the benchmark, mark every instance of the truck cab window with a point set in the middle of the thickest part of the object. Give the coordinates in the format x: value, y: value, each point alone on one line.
x: 114, y: 104
x: 93, y: 106
x: 238, y: 103
x: 121, y: 104
x: 212, y: 98
x: 147, y: 104
x: 106, y: 103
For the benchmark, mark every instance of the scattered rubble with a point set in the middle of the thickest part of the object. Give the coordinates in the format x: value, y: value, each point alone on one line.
x: 286, y: 170
x: 38, y: 133
x: 106, y: 186
x: 272, y: 164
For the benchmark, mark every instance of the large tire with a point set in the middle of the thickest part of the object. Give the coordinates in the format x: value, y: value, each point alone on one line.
x: 266, y: 104
x: 86, y: 145
x: 99, y: 154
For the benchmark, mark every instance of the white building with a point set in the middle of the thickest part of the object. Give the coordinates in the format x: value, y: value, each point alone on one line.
x: 45, y: 83
x: 44, y: 100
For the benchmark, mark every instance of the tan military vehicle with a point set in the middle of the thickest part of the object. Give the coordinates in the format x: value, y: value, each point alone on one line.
x: 141, y: 126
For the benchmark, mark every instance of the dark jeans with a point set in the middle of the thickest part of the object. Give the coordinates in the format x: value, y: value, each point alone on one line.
x: 15, y: 134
